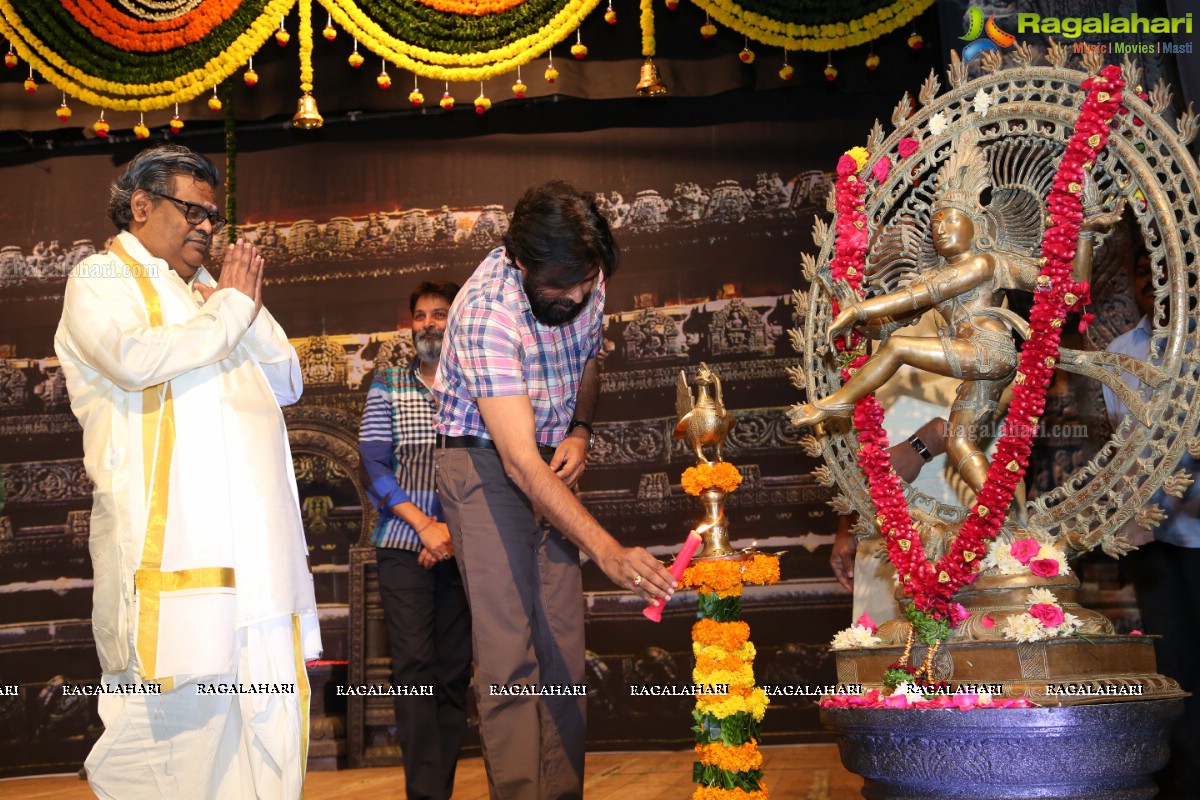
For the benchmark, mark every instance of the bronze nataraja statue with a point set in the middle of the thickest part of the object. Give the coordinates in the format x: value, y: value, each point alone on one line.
x: 966, y: 288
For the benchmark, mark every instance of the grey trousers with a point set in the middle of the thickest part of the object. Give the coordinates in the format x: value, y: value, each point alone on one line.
x: 526, y: 596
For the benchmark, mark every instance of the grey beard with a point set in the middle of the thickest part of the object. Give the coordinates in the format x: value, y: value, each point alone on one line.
x: 429, y: 351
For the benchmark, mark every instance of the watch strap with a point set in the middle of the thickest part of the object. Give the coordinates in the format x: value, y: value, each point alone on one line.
x: 579, y: 423
x: 916, y: 444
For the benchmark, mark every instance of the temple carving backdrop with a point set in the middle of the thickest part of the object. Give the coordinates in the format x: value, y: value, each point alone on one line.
x: 710, y: 220
x: 712, y: 200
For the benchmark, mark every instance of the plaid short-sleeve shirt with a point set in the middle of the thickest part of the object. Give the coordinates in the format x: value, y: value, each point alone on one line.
x: 495, y: 348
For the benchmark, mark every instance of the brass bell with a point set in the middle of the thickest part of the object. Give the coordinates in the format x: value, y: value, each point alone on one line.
x: 307, y: 116
x: 649, y: 85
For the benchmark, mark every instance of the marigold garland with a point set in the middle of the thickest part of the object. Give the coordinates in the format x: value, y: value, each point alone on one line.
x: 727, y: 723
x: 726, y: 661
x: 727, y: 577
x: 473, y: 65
x: 739, y: 700
x: 817, y: 38
x: 471, y: 8
x: 649, y: 46
x: 746, y: 652
x: 726, y: 635
x: 130, y: 60
x: 721, y: 475
x: 306, y: 46
x: 762, y: 569
x: 742, y: 758
x: 130, y: 33
x: 742, y: 677
x: 713, y: 793
x: 93, y: 62
x: 139, y: 97
x: 722, y: 577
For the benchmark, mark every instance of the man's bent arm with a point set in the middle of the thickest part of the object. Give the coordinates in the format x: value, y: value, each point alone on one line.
x: 114, y: 339
x: 510, y: 422
x: 377, y: 448
x: 589, y: 392
x: 275, y: 355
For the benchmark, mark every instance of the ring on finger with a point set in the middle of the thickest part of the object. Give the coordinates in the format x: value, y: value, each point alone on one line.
x: 637, y: 580
x: 446, y: 556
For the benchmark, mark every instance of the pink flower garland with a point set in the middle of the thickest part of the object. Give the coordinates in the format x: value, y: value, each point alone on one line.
x: 931, y: 586
x: 961, y: 701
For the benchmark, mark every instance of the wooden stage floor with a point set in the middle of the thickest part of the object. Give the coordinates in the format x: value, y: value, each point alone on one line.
x: 792, y: 772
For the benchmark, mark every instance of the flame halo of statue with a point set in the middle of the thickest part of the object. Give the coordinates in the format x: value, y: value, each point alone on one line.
x: 1022, y: 117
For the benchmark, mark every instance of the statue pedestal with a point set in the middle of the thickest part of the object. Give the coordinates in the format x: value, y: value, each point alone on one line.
x: 1085, y: 752
x: 1069, y: 671
x: 1093, y: 666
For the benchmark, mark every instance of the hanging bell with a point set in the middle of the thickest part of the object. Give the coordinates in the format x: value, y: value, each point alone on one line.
x: 649, y: 84
x: 307, y: 116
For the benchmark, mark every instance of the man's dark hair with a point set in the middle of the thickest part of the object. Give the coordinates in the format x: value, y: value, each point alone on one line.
x: 443, y: 289
x: 559, y: 235
x: 153, y: 170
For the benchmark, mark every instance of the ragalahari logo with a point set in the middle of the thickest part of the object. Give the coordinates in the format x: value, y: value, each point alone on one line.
x: 976, y: 28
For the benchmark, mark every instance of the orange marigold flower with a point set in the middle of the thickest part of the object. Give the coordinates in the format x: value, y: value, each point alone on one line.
x: 722, y: 475
x: 730, y: 663
x: 762, y: 569
x: 722, y: 577
x: 714, y: 793
x: 742, y: 758
x: 726, y: 635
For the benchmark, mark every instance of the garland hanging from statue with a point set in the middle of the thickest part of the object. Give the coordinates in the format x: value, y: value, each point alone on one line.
x: 930, y: 587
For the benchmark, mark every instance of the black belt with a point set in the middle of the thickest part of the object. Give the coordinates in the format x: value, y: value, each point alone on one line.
x: 483, y: 443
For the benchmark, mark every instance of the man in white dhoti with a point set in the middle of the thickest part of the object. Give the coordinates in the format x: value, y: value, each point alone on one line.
x: 204, y: 612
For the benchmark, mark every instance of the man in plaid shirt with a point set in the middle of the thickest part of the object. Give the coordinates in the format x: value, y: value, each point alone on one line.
x: 517, y: 387
x: 429, y: 625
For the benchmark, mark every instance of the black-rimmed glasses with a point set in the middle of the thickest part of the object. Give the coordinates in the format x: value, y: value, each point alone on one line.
x: 195, y: 214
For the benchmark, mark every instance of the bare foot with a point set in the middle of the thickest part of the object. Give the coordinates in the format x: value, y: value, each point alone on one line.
x: 813, y: 414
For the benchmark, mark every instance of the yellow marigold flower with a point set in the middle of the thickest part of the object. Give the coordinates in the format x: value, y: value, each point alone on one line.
x: 750, y: 701
x: 742, y: 678
x: 746, y: 652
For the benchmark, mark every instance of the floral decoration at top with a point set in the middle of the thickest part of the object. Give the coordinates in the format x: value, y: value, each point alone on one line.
x: 95, y: 50
x: 702, y: 477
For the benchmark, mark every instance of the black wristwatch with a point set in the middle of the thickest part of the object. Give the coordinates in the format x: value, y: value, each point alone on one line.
x: 578, y: 423
x: 916, y: 444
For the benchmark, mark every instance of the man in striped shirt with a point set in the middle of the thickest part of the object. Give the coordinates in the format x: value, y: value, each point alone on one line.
x: 517, y: 387
x: 429, y: 625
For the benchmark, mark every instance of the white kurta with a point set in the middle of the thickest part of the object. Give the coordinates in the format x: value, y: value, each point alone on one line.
x: 197, y: 543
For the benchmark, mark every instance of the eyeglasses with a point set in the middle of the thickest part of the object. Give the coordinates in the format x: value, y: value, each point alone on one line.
x: 195, y: 214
